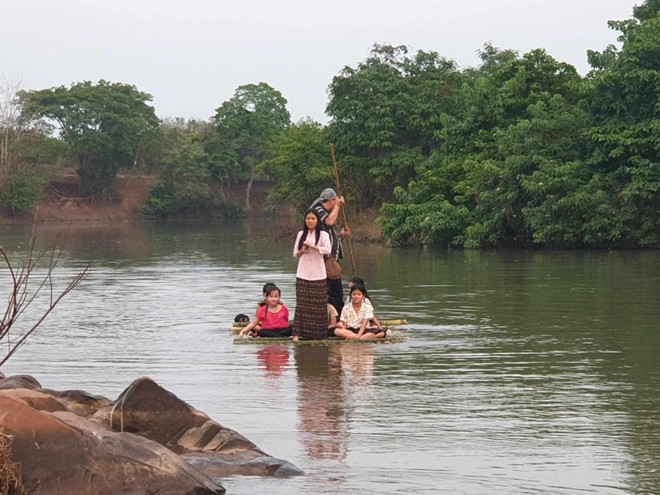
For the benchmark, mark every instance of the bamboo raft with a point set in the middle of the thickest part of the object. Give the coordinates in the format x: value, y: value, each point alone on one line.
x: 386, y: 324
x: 392, y: 339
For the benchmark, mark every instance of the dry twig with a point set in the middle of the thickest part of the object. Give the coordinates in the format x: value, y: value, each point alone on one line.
x: 10, y: 472
x: 23, y: 292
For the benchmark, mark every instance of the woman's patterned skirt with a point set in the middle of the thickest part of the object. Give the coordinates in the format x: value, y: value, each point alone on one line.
x: 311, y: 318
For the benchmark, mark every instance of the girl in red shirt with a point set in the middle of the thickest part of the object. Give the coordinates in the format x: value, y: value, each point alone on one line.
x: 272, y: 318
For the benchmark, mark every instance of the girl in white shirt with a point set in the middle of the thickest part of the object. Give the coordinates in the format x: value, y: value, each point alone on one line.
x: 355, y: 318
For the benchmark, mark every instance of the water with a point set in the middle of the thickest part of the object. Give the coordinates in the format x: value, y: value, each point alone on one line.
x: 526, y: 372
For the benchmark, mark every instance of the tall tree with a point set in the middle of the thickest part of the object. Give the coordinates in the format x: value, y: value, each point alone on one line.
x: 624, y: 96
x: 11, y: 123
x: 245, y: 126
x: 104, y: 123
x: 301, y: 165
x: 515, y: 116
x: 185, y: 178
x: 386, y: 115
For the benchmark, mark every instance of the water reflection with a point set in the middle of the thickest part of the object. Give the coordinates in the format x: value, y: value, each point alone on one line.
x: 273, y: 359
x: 333, y: 382
x: 322, y: 419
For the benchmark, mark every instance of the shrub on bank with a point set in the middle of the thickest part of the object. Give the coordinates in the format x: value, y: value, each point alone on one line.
x: 22, y: 190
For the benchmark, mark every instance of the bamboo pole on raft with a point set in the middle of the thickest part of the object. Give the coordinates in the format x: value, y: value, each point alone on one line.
x: 343, y: 210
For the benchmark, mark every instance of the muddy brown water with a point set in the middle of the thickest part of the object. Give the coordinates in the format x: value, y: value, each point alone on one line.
x: 526, y: 372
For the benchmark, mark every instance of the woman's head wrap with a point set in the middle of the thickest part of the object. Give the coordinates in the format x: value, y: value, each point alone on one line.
x: 326, y: 195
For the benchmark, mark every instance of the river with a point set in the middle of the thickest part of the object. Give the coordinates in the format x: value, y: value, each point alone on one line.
x: 526, y: 372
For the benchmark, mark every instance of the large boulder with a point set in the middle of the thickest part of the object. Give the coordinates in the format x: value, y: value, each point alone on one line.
x: 35, y: 399
x: 148, y: 410
x: 61, y: 452
x: 144, y: 409
x: 19, y: 381
x: 79, y: 402
x: 216, y: 466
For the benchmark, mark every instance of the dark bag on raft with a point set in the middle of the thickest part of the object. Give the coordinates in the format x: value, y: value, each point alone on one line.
x: 332, y: 268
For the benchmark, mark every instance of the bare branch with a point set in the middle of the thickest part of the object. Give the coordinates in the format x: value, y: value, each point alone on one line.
x: 23, y: 293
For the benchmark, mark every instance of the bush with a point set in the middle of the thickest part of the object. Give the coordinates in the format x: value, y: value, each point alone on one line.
x: 22, y: 190
x: 161, y: 202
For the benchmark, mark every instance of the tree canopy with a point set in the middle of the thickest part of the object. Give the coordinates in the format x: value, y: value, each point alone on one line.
x: 245, y: 125
x: 104, y: 124
x: 301, y: 165
x: 519, y: 151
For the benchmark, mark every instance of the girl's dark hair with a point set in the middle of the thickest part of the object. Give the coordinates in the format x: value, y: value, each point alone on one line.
x: 319, y: 227
x: 267, y: 287
x: 356, y: 280
x: 272, y: 288
x: 361, y: 288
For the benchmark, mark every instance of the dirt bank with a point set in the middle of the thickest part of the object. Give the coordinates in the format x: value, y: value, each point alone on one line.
x: 63, y: 203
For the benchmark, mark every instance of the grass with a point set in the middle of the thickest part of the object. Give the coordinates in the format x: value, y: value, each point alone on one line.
x: 10, y: 471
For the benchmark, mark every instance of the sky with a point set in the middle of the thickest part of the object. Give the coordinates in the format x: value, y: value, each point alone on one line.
x: 192, y: 55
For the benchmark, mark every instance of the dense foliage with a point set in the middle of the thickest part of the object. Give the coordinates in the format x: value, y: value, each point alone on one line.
x: 301, y: 165
x: 104, y: 124
x: 533, y: 154
x: 22, y: 190
x: 245, y: 126
x: 519, y: 151
x: 184, y: 186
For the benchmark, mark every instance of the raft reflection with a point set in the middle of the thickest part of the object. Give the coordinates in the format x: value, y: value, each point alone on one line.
x: 331, y: 383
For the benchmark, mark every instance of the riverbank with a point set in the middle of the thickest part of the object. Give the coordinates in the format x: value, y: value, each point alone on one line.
x: 62, y: 203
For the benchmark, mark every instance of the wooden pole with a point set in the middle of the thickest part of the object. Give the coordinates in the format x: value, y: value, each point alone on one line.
x: 343, y: 209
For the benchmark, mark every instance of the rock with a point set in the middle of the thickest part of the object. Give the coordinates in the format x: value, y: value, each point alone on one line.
x: 35, y: 399
x: 212, y: 437
x: 80, y: 402
x: 77, y: 401
x: 19, y: 381
x: 61, y: 452
x: 137, y: 437
x: 147, y: 409
x: 214, y: 466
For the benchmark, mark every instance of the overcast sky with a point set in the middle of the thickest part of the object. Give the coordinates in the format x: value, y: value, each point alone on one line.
x: 192, y: 55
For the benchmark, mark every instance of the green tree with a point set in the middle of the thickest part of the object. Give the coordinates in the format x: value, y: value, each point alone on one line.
x: 22, y: 189
x: 516, y: 115
x: 623, y: 93
x: 171, y: 133
x: 104, y: 124
x: 38, y: 149
x: 245, y: 125
x: 27, y: 150
x: 387, y: 114
x: 301, y: 165
x: 184, y: 185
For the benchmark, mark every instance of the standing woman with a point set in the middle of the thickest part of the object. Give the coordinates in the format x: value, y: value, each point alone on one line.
x: 312, y: 244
